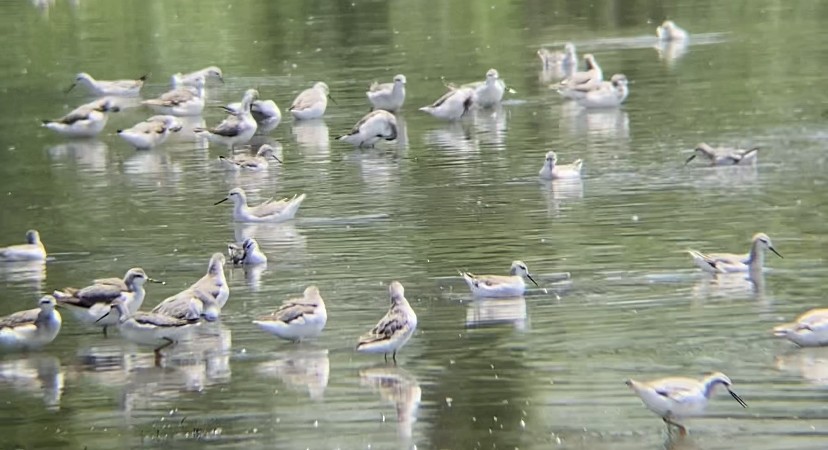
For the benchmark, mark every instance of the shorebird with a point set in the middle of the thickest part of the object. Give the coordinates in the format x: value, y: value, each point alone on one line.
x: 606, y: 96
x: 808, y: 330
x: 394, y: 330
x: 566, y: 60
x: 724, y: 156
x: 268, y: 211
x: 32, y: 250
x: 489, y: 92
x: 84, y: 121
x: 190, y: 305
x: 192, y: 79
x: 248, y: 253
x: 32, y: 328
x: 388, y: 96
x: 119, y: 88
x: 511, y: 285
x: 573, y: 86
x: 236, y: 128
x: 256, y: 163
x: 214, y: 283
x: 181, y: 101
x: 551, y: 170
x: 375, y: 126
x: 754, y: 260
x: 669, y: 31
x: 452, y: 105
x: 151, y: 132
x: 148, y: 328
x: 297, y: 318
x: 311, y: 103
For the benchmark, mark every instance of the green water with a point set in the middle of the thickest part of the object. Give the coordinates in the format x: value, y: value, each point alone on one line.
x: 546, y: 371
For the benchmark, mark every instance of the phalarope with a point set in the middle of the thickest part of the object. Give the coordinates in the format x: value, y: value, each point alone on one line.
x: 488, y: 93
x: 84, y: 121
x: 754, y: 260
x: 297, y: 318
x: 236, y: 128
x: 606, y: 96
x: 191, y: 305
x: 551, y: 170
x: 388, y: 96
x: 311, y: 103
x: 91, y: 302
x: 151, y: 132
x: 248, y: 253
x: 394, y: 330
x: 452, y: 105
x: 581, y: 90
x: 148, y: 328
x: 669, y: 31
x: 499, y: 285
x: 32, y: 250
x: 32, y: 328
x: 214, y: 282
x: 255, y: 163
x: 181, y: 101
x: 566, y: 60
x: 373, y: 127
x: 808, y: 330
x: 191, y: 79
x: 676, y: 398
x: 265, y: 112
x: 268, y: 211
x: 582, y: 81
x: 725, y: 156
x: 119, y: 88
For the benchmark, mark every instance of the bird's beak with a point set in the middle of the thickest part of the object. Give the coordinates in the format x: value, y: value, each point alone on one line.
x: 334, y: 101
x: 689, y: 159
x: 774, y: 250
x: 70, y: 88
x: 737, y: 398
x: 221, y: 78
x: 277, y: 159
x: 103, y: 316
x: 153, y: 280
x: 532, y: 279
x: 221, y: 201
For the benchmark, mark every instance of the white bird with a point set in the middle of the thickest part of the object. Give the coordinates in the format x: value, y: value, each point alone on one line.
x: 192, y: 79
x: 611, y: 96
x: 268, y: 211
x: 148, y: 328
x: 32, y: 250
x: 373, y: 127
x: 181, y: 101
x: 551, y: 170
x: 566, y: 60
x: 311, y: 103
x: 669, y: 31
x: 248, y: 253
x: 255, y: 163
x: 388, y: 96
x: 808, y: 330
x: 191, y: 305
x: 214, y: 283
x: 725, y: 156
x: 752, y: 261
x: 236, y: 128
x: 119, y: 88
x: 298, y: 318
x: 394, y: 330
x: 151, y: 132
x: 84, y: 121
x: 88, y: 304
x: 573, y: 86
x: 489, y: 92
x: 32, y: 328
x: 266, y: 113
x: 511, y: 285
x: 676, y: 397
x: 452, y: 105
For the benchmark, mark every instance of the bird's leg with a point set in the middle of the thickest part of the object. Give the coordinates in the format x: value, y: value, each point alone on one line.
x: 394, y: 357
x: 385, y: 355
x: 104, y: 331
x: 681, y: 428
x: 163, y: 346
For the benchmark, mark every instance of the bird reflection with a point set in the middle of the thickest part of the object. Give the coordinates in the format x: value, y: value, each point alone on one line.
x: 491, y: 126
x: 378, y: 170
x: 26, y: 273
x: 186, y: 134
x: 558, y: 192
x: 36, y: 374
x: 282, y: 234
x: 402, y: 133
x: 153, y: 168
x: 809, y: 363
x: 89, y: 153
x: 300, y: 369
x: 496, y: 311
x: 730, y: 285
x: 397, y: 386
x: 312, y: 136
x: 671, y: 51
x: 602, y: 123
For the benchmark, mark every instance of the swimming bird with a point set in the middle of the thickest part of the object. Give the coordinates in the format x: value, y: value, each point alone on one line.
x: 32, y: 250
x: 551, y: 170
x: 566, y: 60
x: 725, y: 156
x: 311, y: 103
x: 119, y: 88
x: 676, y: 397
x: 388, y: 96
x: 255, y: 163
x: 248, y: 253
x: 192, y: 79
x: 297, y: 318
x: 266, y: 113
x: 214, y: 282
x: 151, y: 132
x: 511, y: 285
x: 236, y: 128
x: 268, y: 211
x: 191, y: 305
x: 32, y: 328
x: 148, y: 328
x: 669, y: 31
x: 373, y: 127
x: 729, y: 262
x: 88, y: 304
x: 808, y: 330
x: 394, y: 330
x: 181, y: 101
x: 579, y: 82
x: 84, y: 121
x: 452, y: 105
x: 489, y: 92
x: 606, y: 96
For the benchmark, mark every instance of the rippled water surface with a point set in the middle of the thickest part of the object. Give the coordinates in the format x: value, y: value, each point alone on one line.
x: 544, y: 371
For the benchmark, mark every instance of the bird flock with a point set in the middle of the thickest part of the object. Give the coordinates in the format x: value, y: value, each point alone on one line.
x: 116, y: 302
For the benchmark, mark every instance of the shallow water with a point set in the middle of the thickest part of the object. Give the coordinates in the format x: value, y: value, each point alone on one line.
x: 542, y: 371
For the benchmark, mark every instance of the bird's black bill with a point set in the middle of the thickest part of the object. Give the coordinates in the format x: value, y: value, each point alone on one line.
x: 689, y: 159
x: 103, y: 316
x: 334, y: 101
x: 532, y: 280
x: 774, y: 250
x: 277, y: 159
x: 153, y: 280
x: 737, y: 398
x: 221, y: 201
x: 70, y: 88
